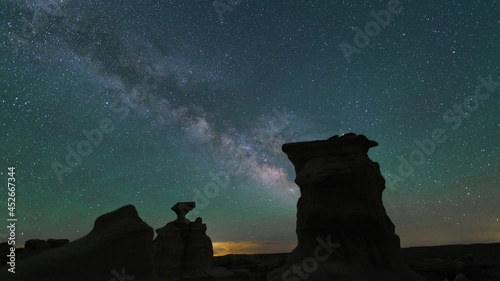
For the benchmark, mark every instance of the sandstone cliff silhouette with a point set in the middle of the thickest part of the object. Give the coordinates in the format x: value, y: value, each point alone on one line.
x: 343, y: 230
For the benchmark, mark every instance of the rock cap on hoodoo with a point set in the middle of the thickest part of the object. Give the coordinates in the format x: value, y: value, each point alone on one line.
x: 300, y: 153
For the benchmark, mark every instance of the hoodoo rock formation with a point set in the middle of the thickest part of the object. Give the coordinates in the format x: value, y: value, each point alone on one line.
x: 119, y: 246
x: 182, y: 249
x: 342, y: 227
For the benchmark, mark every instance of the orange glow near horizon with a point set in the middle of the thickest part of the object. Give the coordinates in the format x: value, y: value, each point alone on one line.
x: 436, y: 237
x: 251, y: 247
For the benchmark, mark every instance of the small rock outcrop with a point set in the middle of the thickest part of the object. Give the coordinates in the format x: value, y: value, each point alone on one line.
x: 343, y: 230
x: 4, y: 251
x: 182, y: 249
x: 54, y: 243
x: 34, y: 247
x: 119, y: 247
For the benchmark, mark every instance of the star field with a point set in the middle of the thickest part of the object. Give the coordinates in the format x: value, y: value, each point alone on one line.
x: 164, y: 101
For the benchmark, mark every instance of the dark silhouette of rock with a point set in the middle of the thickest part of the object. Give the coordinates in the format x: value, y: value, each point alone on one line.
x: 34, y: 247
x: 119, y: 247
x: 479, y: 262
x: 181, y: 209
x: 439, y: 269
x: 250, y: 267
x: 31, y: 248
x: 469, y: 258
x: 343, y: 230
x: 221, y: 273
x: 54, y: 243
x: 4, y: 251
x: 182, y: 249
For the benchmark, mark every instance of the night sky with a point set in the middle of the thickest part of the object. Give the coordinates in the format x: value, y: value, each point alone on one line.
x: 169, y: 101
